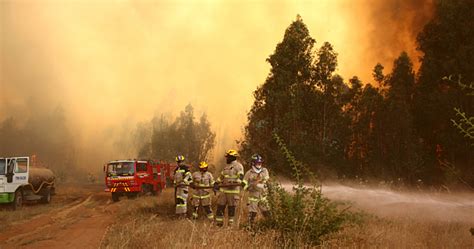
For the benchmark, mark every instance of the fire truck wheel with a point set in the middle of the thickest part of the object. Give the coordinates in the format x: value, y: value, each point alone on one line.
x: 115, y: 197
x: 17, y: 200
x: 147, y: 189
x: 46, y: 196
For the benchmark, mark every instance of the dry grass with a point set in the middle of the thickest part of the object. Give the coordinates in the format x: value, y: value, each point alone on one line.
x: 149, y: 223
x: 403, y: 233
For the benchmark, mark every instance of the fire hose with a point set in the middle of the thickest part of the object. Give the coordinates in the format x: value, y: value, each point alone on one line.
x: 210, y: 187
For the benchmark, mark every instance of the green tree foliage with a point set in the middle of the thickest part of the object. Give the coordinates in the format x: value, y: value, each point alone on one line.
x: 304, y: 216
x: 193, y: 139
x: 331, y: 122
x: 398, y: 130
x: 279, y: 101
x: 464, y: 123
x: 400, y: 140
x: 299, y: 100
x: 365, y: 110
x: 377, y: 73
x: 383, y: 140
x: 447, y: 42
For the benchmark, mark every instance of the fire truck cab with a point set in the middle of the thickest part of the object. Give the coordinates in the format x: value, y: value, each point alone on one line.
x: 135, y: 177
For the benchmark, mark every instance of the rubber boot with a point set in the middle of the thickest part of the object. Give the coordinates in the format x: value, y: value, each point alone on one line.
x: 231, y: 215
x: 220, y: 215
x: 195, y: 213
x: 209, y: 213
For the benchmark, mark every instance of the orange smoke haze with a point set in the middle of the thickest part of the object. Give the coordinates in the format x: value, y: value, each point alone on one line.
x: 110, y: 64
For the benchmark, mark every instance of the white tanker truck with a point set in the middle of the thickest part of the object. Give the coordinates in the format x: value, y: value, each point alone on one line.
x: 19, y: 182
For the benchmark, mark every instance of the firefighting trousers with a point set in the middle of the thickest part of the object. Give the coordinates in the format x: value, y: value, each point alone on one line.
x: 181, y: 200
x: 257, y: 201
x: 205, y: 202
x: 229, y: 200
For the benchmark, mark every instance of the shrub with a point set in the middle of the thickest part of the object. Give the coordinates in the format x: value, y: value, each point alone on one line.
x: 303, y: 216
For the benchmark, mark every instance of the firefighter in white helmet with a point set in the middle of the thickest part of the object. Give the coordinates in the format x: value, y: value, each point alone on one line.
x: 256, y: 179
x: 229, y: 183
x: 182, y: 179
x: 203, y: 181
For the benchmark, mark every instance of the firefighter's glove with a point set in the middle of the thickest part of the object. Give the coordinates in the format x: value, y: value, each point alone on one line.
x: 243, y: 184
x: 216, y: 187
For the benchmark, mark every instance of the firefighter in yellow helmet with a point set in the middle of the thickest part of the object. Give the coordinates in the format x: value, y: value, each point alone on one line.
x: 182, y: 179
x: 256, y: 179
x: 203, y: 182
x: 229, y: 183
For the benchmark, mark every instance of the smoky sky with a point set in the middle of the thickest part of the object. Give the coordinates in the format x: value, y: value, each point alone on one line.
x: 111, y: 64
x: 395, y: 25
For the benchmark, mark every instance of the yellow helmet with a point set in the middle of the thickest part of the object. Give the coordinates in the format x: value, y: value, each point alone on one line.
x: 232, y: 153
x: 203, y: 165
x: 179, y: 158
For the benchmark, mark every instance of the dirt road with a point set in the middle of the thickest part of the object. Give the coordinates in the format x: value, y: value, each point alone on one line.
x: 77, y: 220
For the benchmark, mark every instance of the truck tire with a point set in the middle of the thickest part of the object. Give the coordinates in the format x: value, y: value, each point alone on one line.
x: 115, y: 197
x: 46, y: 196
x: 145, y: 190
x: 17, y: 200
x: 148, y: 190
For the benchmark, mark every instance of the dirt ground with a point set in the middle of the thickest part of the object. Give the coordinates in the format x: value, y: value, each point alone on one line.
x: 78, y: 217
x: 82, y: 217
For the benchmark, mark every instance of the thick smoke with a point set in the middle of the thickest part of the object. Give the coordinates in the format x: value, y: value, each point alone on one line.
x: 394, y: 27
x: 109, y: 65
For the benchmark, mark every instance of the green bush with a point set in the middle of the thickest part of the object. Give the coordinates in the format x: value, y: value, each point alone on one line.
x: 303, y: 216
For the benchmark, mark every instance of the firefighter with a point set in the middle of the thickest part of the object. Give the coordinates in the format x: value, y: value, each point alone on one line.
x: 203, y: 182
x: 256, y: 179
x: 229, y: 183
x: 182, y: 179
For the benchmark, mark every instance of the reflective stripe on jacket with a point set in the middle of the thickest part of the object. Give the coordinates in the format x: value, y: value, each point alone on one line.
x: 202, y: 179
x: 255, y: 182
x: 231, y: 174
x: 182, y: 176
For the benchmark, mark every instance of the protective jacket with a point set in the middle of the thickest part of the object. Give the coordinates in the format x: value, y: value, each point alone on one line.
x: 182, y: 179
x: 256, y: 180
x: 232, y: 174
x: 202, y: 183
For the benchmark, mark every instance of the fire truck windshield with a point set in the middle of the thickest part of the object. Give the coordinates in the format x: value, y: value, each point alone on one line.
x: 120, y: 169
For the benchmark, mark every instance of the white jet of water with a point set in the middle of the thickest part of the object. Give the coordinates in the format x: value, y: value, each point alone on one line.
x: 413, y: 205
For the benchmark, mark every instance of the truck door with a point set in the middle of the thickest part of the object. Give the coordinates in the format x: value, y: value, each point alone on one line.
x: 162, y: 176
x: 155, y: 172
x: 20, y: 172
x: 3, y: 172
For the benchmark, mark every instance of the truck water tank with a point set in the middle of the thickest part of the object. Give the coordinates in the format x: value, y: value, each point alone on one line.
x: 39, y: 175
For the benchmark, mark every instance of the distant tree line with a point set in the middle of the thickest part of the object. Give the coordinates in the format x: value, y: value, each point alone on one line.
x: 163, y: 138
x: 397, y: 127
x: 45, y: 135
x: 49, y: 136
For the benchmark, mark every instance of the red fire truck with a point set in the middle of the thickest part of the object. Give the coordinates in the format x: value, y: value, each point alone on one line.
x: 136, y: 177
